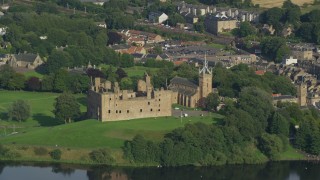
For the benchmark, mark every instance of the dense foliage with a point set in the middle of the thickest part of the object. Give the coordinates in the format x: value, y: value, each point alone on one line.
x: 19, y: 110
x: 66, y: 108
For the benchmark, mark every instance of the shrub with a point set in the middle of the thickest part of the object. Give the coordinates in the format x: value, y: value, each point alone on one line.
x: 101, y: 156
x: 3, y: 151
x: 7, y: 154
x: 40, y: 151
x: 56, y: 154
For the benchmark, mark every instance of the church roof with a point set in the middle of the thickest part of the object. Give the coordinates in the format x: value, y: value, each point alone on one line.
x: 25, y: 57
x: 183, y: 81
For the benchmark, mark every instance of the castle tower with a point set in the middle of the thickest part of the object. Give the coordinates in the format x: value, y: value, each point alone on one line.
x: 205, y: 79
x: 302, y: 94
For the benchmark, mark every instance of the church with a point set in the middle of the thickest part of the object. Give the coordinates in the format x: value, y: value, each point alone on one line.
x: 190, y: 94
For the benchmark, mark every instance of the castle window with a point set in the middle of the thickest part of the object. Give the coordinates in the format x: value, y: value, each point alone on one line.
x: 148, y: 103
x: 116, y: 104
x: 120, y: 111
x: 159, y: 105
x: 110, y: 99
x: 159, y: 99
x: 109, y: 111
x: 158, y: 109
x: 127, y: 111
x: 140, y: 110
x: 116, y: 111
x: 151, y: 110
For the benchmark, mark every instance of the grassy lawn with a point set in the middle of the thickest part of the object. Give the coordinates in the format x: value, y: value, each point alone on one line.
x: 309, y: 8
x: 94, y: 134
x: 217, y: 46
x: 42, y: 129
x: 291, y: 154
x: 138, y: 70
x: 33, y: 74
x: 133, y: 71
x: 41, y: 104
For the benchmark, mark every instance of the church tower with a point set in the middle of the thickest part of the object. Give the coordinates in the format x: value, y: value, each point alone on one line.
x: 302, y: 94
x: 205, y: 79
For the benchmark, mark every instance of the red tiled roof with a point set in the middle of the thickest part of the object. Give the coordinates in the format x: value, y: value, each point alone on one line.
x: 260, y: 72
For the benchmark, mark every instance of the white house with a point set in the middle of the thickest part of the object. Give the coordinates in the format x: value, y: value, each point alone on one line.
x: 157, y: 17
x: 290, y: 60
x: 3, y: 31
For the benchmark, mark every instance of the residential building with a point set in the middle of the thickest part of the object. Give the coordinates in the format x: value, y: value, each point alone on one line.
x: 220, y: 23
x: 158, y: 17
x: 30, y: 61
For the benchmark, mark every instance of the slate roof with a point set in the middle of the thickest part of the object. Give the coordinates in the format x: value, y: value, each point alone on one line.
x: 283, y: 97
x: 25, y: 57
x: 183, y: 81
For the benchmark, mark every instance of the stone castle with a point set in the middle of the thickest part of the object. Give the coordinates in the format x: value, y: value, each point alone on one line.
x: 106, y: 102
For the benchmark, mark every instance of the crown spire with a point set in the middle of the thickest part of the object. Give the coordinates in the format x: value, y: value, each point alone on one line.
x: 205, y: 68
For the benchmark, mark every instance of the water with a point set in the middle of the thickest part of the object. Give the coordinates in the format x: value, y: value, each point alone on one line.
x: 293, y: 170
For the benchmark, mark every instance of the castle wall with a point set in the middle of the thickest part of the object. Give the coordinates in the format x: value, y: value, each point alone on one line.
x: 114, y: 109
x: 93, y: 104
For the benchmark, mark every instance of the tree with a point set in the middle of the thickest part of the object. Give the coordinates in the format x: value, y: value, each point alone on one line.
x: 246, y: 29
x: 33, y: 84
x: 212, y: 101
x: 121, y: 73
x: 17, y: 81
x: 126, y: 61
x: 66, y: 108
x: 278, y: 125
x: 19, y: 110
x: 57, y: 60
x: 6, y: 73
x: 270, y: 145
x: 258, y: 104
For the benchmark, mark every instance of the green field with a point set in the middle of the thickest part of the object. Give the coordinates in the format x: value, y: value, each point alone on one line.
x: 41, y: 128
x: 138, y: 70
x: 94, y: 134
x: 133, y: 71
x: 29, y: 74
x: 41, y: 106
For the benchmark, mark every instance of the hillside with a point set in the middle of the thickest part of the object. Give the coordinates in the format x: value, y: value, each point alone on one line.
x: 278, y: 3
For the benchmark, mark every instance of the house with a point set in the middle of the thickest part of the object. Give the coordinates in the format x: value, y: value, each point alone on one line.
x: 289, y: 61
x: 140, y: 37
x: 268, y: 29
x: 3, y: 31
x: 158, y: 17
x: 101, y: 24
x: 137, y: 57
x: 30, y: 61
x: 97, y: 2
x: 135, y: 49
x: 220, y: 23
x: 121, y: 48
x: 153, y: 56
x: 276, y: 98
